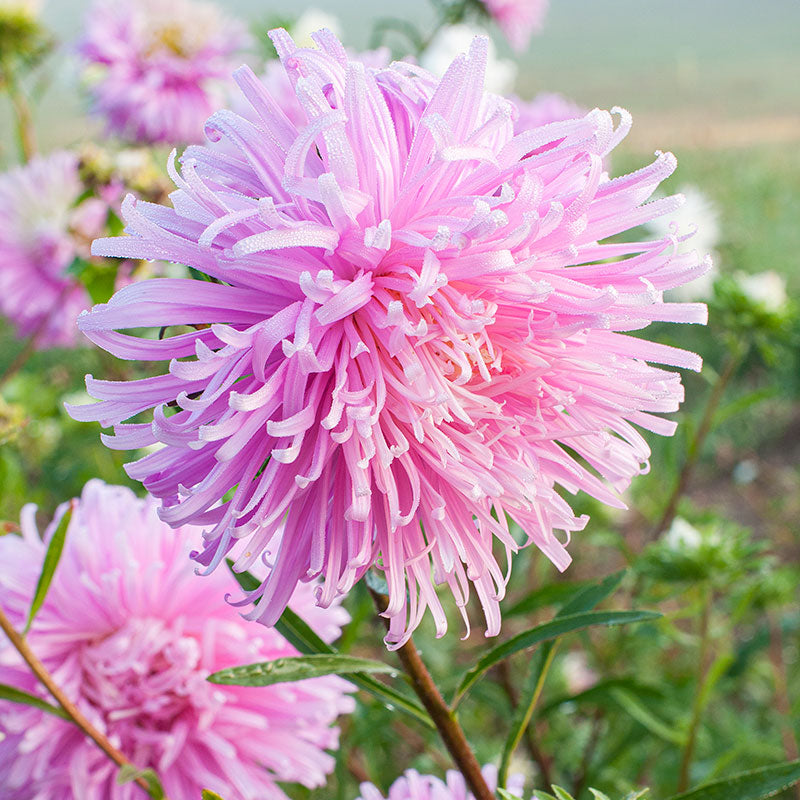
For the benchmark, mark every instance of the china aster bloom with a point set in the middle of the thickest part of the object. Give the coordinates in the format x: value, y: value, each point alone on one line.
x: 130, y: 634
x: 413, y: 786
x: 42, y: 231
x: 412, y: 332
x: 159, y: 67
x: 517, y: 19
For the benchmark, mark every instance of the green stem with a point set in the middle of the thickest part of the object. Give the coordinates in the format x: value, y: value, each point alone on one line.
x: 523, y: 718
x: 23, y: 117
x: 74, y: 713
x: 697, y: 442
x: 700, y: 694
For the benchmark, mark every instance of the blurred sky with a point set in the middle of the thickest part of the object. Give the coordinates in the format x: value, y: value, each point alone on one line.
x: 709, y: 72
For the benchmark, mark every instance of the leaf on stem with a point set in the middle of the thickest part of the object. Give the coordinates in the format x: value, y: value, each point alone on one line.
x: 129, y: 773
x: 297, y: 668
x: 207, y: 794
x: 752, y: 785
x: 18, y: 696
x: 541, y: 633
x: 51, y: 558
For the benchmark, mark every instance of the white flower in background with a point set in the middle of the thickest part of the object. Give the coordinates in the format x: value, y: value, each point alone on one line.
x: 767, y: 288
x: 682, y: 536
x: 578, y: 675
x: 700, y: 214
x: 312, y: 20
x: 453, y: 40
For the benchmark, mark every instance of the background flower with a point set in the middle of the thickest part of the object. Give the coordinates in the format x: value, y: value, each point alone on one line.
x: 42, y: 231
x: 415, y: 319
x: 130, y: 634
x: 413, y: 786
x: 161, y: 66
x: 518, y: 19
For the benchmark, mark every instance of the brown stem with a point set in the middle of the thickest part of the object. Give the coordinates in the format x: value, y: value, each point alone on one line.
x: 440, y: 713
x: 696, y: 445
x: 69, y: 707
x: 782, y: 702
x: 699, y: 696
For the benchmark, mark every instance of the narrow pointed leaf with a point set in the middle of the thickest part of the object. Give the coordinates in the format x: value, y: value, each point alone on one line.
x: 18, y: 696
x: 129, y: 773
x: 297, y: 668
x: 752, y: 785
x: 298, y: 633
x: 638, y: 711
x: 51, y: 558
x: 207, y: 794
x: 542, y: 633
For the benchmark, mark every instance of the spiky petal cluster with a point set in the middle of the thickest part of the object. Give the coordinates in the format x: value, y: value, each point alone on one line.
x: 41, y: 233
x: 546, y: 107
x: 158, y: 68
x: 130, y: 634
x: 413, y: 329
x: 413, y: 786
x: 517, y: 19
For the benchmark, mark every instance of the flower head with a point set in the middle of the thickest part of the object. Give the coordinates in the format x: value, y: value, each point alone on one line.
x: 43, y: 229
x: 517, y: 19
x: 413, y: 329
x: 130, y: 634
x: 160, y: 67
x: 413, y: 786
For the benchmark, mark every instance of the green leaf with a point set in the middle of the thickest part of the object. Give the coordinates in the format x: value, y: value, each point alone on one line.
x: 645, y: 717
x: 549, y: 595
x: 18, y: 696
x: 504, y: 794
x: 296, y: 668
x: 752, y: 785
x: 51, y: 559
x: 129, y: 773
x: 541, y: 633
x: 300, y: 635
x: 207, y: 794
x: 561, y: 794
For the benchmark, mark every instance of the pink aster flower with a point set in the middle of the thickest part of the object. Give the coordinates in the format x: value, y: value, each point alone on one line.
x: 160, y: 67
x: 517, y: 19
x: 545, y: 108
x: 413, y: 329
x: 41, y: 233
x: 130, y: 634
x: 413, y: 786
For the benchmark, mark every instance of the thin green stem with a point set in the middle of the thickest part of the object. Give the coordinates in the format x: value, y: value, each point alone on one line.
x: 22, y: 114
x: 700, y: 695
x: 532, y: 698
x: 698, y: 440
x: 74, y: 713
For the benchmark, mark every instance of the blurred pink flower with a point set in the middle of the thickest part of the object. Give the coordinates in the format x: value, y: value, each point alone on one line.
x: 545, y: 108
x: 413, y: 329
x: 518, y: 19
x: 41, y: 233
x: 130, y: 634
x: 158, y: 69
x: 413, y: 786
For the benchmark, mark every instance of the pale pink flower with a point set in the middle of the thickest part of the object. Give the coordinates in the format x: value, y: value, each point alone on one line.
x: 131, y: 634
x: 158, y: 69
x: 518, y: 19
x: 42, y: 232
x: 414, y: 328
x: 545, y: 108
x: 413, y: 786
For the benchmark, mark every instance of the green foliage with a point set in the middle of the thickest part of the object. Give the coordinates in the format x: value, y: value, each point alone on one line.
x: 129, y: 773
x: 14, y: 695
x: 299, y: 668
x: 752, y: 785
x: 51, y: 558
